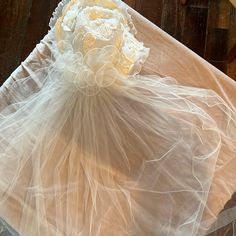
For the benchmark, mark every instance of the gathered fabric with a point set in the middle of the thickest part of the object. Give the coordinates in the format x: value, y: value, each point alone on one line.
x: 101, y: 149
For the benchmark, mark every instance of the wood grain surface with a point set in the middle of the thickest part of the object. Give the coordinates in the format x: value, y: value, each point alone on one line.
x: 14, y: 17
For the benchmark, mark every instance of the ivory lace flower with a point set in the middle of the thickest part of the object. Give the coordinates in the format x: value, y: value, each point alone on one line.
x: 87, y: 25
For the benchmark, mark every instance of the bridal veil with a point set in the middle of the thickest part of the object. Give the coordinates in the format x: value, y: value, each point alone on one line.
x: 95, y: 142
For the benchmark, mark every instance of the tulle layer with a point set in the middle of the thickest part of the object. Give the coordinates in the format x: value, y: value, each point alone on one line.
x: 140, y: 155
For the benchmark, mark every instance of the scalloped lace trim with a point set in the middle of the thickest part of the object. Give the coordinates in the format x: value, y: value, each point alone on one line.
x: 57, y: 13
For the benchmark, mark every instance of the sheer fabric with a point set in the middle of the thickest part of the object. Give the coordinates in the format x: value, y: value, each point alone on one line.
x: 100, y: 149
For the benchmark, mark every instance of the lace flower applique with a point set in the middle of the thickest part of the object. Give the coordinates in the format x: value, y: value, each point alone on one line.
x: 91, y: 24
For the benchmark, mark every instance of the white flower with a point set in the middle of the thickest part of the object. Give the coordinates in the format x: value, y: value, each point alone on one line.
x: 90, y: 24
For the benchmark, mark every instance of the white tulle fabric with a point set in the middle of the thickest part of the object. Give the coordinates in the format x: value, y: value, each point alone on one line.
x: 101, y: 150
